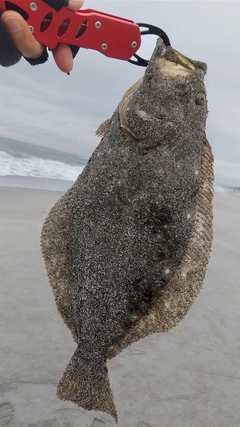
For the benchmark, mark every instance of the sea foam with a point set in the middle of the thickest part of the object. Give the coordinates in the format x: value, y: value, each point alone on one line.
x: 37, y: 167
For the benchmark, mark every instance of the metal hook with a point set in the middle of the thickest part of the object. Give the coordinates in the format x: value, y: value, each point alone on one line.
x: 150, y: 29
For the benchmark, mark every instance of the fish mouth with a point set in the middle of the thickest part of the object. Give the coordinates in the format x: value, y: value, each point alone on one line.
x: 172, y: 63
x: 177, y: 66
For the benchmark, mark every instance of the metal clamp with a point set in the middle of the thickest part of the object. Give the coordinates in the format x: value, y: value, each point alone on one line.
x: 150, y: 29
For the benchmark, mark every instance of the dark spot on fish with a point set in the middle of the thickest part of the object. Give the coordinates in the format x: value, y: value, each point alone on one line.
x: 132, y: 318
x: 159, y: 256
x: 200, y: 99
x: 142, y: 293
x: 153, y: 217
x: 182, y: 89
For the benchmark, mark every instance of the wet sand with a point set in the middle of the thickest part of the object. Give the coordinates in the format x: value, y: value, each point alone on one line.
x: 186, y: 378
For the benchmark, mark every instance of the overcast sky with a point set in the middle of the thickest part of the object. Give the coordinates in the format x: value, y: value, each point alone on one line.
x: 43, y: 106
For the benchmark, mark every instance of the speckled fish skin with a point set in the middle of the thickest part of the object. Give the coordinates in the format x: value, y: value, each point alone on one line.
x: 127, y: 247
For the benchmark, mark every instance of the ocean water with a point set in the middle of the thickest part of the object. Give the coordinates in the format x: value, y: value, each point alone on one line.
x: 28, y: 160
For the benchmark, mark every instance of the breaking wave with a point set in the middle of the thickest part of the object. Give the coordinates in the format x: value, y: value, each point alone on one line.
x: 37, y: 167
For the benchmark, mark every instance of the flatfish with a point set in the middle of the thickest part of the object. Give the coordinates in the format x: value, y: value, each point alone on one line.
x: 127, y: 247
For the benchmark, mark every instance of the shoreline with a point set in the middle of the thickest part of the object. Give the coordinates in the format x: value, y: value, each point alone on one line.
x: 28, y: 182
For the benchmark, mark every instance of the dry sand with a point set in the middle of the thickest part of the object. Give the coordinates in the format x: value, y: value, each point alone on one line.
x: 189, y: 377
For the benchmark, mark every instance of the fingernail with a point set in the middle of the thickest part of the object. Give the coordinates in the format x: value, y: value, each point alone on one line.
x: 13, y: 25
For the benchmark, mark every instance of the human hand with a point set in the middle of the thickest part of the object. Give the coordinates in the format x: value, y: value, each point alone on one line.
x: 29, y: 47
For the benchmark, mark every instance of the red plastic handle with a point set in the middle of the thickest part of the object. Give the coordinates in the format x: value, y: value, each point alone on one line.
x: 111, y: 35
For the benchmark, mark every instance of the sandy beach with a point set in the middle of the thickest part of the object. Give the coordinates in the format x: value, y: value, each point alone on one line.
x: 186, y: 378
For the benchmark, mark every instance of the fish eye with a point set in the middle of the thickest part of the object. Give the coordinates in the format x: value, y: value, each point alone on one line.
x: 200, y: 99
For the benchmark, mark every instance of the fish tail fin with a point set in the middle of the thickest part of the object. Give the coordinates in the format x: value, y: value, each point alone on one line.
x: 86, y: 383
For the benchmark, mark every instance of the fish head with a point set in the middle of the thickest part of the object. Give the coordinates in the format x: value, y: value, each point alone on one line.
x: 168, y: 100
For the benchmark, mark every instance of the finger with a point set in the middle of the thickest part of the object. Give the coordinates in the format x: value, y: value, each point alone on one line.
x: 75, y: 4
x: 63, y: 57
x: 21, y: 35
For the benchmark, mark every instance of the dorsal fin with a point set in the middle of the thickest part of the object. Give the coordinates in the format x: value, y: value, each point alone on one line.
x: 104, y: 128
